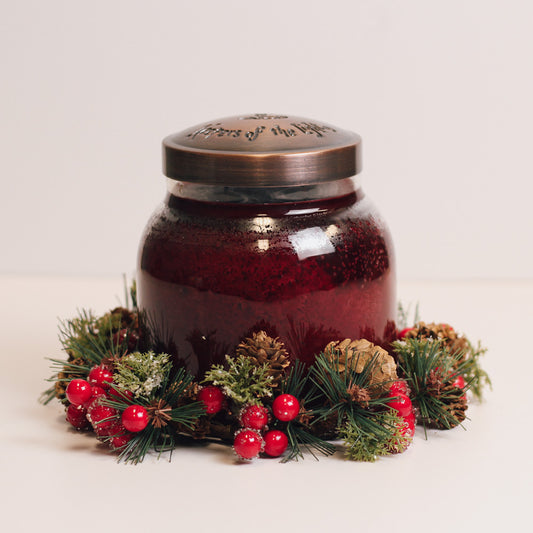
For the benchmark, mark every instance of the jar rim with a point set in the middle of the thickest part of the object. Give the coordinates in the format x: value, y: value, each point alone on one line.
x: 263, y: 195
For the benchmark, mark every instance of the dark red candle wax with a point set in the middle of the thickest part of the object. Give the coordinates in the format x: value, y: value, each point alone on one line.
x: 311, y: 272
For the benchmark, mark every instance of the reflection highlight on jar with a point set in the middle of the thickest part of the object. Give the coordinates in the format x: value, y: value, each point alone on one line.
x: 332, y: 230
x: 263, y: 244
x: 262, y: 224
x: 310, y: 242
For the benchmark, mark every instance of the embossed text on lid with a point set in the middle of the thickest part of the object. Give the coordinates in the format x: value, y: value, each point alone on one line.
x: 262, y: 150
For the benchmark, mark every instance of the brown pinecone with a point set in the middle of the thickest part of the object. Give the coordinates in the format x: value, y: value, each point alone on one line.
x: 264, y: 349
x: 442, y: 332
x: 191, y: 392
x: 122, y: 318
x: 451, y: 398
x: 357, y: 354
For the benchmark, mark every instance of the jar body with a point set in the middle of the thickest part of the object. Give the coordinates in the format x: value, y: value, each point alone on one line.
x: 308, y: 272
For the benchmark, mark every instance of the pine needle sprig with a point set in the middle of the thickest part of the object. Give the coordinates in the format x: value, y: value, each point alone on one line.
x: 76, y: 336
x: 345, y: 390
x: 365, y: 445
x: 133, y: 295
x: 172, y: 391
x: 65, y: 372
x: 70, y: 367
x: 297, y: 383
x: 136, y: 449
x: 473, y: 374
x: 160, y: 434
x: 49, y: 394
x: 242, y: 380
x: 90, y: 338
x: 300, y: 441
x: 404, y: 316
x: 295, y: 380
x: 360, y: 416
x: 430, y: 370
x: 130, y: 293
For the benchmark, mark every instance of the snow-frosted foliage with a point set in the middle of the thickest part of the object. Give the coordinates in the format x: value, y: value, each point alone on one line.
x: 142, y: 373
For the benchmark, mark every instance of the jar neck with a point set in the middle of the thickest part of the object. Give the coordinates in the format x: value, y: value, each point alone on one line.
x: 263, y: 195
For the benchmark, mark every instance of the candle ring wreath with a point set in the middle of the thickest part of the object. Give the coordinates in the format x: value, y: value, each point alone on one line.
x: 356, y: 395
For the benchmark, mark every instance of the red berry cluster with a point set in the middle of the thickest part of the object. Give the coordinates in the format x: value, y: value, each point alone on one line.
x: 86, y: 408
x: 249, y: 441
x: 404, y: 333
x: 401, y: 402
x: 254, y: 436
x: 127, y: 337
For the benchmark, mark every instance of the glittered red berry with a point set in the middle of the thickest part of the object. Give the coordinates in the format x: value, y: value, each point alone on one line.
x: 254, y: 417
x: 212, y: 398
x: 398, y: 387
x: 135, y: 418
x: 118, y: 442
x: 101, y: 417
x: 401, y: 403
x: 120, y: 395
x: 459, y: 382
x: 78, y: 391
x: 276, y: 442
x: 406, y: 429
x: 101, y: 376
x: 116, y: 435
x: 410, y: 421
x: 103, y: 430
x: 248, y: 443
x: 126, y: 336
x: 77, y: 416
x: 404, y: 332
x: 286, y: 407
x: 96, y: 392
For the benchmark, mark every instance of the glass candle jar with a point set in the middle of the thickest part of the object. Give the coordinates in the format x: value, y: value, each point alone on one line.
x: 264, y: 227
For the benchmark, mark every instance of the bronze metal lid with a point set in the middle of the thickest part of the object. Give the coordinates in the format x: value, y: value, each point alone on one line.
x: 262, y: 150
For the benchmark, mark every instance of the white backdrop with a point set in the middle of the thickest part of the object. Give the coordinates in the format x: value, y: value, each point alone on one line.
x: 440, y: 92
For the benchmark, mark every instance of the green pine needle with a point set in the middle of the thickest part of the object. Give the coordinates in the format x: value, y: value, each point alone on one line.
x: 364, y: 445
x: 90, y: 338
x: 171, y: 391
x: 335, y: 385
x: 301, y: 441
x: 404, y: 316
x: 474, y: 375
x: 419, y: 360
x: 367, y: 428
x: 295, y: 381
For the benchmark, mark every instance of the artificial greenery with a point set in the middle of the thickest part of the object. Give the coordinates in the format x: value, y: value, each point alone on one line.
x: 141, y: 373
x: 367, y: 446
x: 299, y: 431
x: 168, y: 419
x: 404, y: 319
x: 241, y: 380
x: 301, y: 440
x: 339, y: 400
x: 477, y: 378
x: 360, y: 415
x: 431, y: 370
x: 87, y: 340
